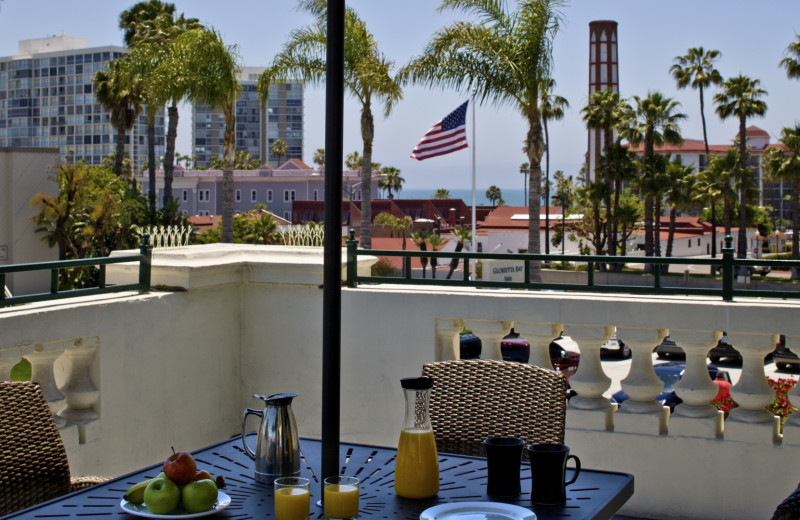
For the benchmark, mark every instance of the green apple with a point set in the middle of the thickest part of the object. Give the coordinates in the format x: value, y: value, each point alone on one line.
x: 161, y: 496
x: 199, y: 496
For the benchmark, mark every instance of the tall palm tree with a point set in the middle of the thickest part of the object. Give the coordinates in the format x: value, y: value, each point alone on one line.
x: 442, y: 194
x: 604, y: 112
x: 696, y: 69
x: 390, y: 180
x: 319, y: 157
x: 279, y: 149
x: 724, y: 171
x: 215, y: 68
x: 617, y: 166
x: 494, y: 194
x: 652, y: 121
x: 708, y: 191
x: 679, y: 194
x: 565, y: 193
x: 435, y: 242
x: 463, y: 235
x: 366, y: 76
x: 420, y: 238
x: 792, y: 62
x: 552, y: 108
x: 784, y: 165
x: 123, y: 100
x: 741, y: 98
x: 150, y: 27
x: 503, y: 57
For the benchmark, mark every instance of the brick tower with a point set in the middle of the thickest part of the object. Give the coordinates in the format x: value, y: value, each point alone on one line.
x: 603, y: 74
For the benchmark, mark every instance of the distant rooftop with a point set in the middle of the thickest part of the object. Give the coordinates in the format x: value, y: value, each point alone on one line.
x: 50, y: 44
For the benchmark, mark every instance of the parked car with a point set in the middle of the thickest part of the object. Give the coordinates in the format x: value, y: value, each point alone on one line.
x: 723, y: 349
x: 515, y: 348
x: 668, y: 348
x: 763, y: 270
x: 616, y: 347
x: 783, y: 357
x: 470, y: 346
x: 670, y: 373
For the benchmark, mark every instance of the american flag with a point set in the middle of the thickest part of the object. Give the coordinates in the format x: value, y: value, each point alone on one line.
x: 446, y: 136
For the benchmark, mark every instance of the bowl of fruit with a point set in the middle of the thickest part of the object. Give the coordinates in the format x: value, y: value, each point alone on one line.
x: 179, y: 491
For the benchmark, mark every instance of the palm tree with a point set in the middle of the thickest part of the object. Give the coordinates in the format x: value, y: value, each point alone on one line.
x: 505, y: 58
x: 215, y: 69
x: 605, y: 112
x: 124, y: 101
x: 792, y: 62
x: 617, y: 166
x: 724, y: 170
x: 525, y: 169
x: 494, y: 194
x: 390, y: 180
x: 784, y: 165
x: 679, y: 194
x: 552, y: 108
x: 741, y: 98
x: 442, y: 194
x: 319, y: 157
x: 463, y: 235
x: 435, y: 242
x: 151, y: 27
x: 654, y: 121
x: 279, y: 149
x: 420, y: 238
x: 708, y: 191
x: 565, y: 190
x: 696, y: 69
x: 366, y: 76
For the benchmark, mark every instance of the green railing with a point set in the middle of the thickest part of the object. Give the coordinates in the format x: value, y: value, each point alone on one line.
x: 144, y: 258
x: 727, y: 264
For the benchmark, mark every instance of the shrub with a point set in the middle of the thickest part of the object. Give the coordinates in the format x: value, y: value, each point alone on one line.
x: 781, y: 406
x: 383, y: 268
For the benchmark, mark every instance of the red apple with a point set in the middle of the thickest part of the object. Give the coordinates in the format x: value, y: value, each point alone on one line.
x: 203, y: 474
x: 180, y: 467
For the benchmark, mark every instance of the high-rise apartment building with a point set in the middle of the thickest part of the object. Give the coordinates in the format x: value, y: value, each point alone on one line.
x: 47, y: 100
x: 256, y: 128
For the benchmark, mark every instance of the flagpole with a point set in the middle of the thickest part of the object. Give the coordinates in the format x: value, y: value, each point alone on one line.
x: 474, y: 236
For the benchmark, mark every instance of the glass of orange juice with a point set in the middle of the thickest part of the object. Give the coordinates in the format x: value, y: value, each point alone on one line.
x: 292, y: 498
x: 340, y: 497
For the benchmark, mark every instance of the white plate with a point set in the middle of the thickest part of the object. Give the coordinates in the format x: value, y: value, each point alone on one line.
x: 477, y: 511
x: 223, y: 501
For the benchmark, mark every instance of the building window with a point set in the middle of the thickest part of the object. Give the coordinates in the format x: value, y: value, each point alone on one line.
x: 286, y: 215
x: 698, y: 241
x: 203, y: 195
x: 690, y: 242
x: 288, y: 195
x: 252, y: 195
x: 238, y: 195
x: 185, y: 195
x: 269, y: 195
x: 316, y: 194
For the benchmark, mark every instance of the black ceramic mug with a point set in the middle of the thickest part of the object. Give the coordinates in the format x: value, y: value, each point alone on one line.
x: 503, y: 457
x: 549, y: 472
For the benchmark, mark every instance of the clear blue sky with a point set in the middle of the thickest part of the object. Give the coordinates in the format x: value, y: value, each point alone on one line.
x: 751, y: 35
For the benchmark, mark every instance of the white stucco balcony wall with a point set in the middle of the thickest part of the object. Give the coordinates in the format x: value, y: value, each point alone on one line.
x: 177, y: 366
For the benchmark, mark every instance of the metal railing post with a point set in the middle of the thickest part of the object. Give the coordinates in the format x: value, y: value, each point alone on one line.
x: 352, y: 267
x: 727, y: 269
x: 145, y: 265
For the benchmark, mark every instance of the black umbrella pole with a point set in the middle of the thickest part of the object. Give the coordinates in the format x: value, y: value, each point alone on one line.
x: 332, y: 275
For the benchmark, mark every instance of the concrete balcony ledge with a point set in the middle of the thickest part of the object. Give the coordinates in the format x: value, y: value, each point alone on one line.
x: 199, y: 266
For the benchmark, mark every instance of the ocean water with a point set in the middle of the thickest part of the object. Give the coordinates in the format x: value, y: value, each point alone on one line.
x: 512, y: 197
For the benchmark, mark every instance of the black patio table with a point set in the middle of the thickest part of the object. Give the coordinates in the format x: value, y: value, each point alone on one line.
x: 595, y: 495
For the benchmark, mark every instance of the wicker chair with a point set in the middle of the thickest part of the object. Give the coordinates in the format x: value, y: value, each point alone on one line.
x: 475, y: 399
x: 33, y: 460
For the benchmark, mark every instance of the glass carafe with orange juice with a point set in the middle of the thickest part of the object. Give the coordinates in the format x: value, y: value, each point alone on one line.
x: 416, y: 472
